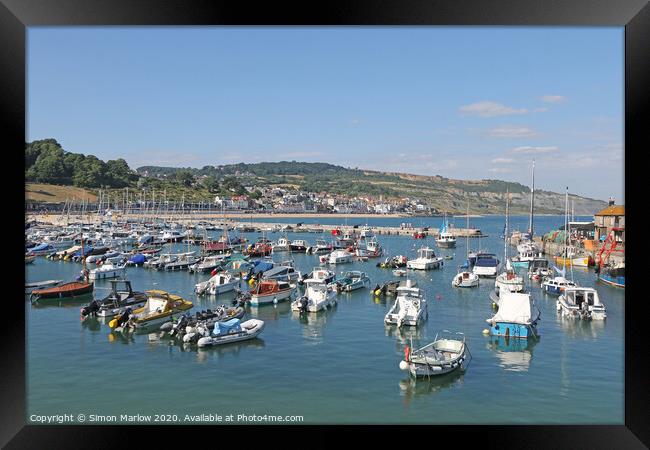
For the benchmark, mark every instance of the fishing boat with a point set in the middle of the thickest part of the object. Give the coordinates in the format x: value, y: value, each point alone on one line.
x: 445, y: 354
x: 107, y: 270
x: 217, y: 284
x: 321, y: 246
x: 299, y: 246
x: 232, y: 331
x: 172, y: 236
x: 271, y: 291
x: 516, y: 317
x: 352, y: 280
x: 339, y: 257
x: 372, y: 249
x: 409, y: 308
x: 581, y: 303
x: 445, y: 239
x: 486, y: 265
x: 30, y: 287
x: 282, y: 245
x: 318, y: 295
x: 116, y: 302
x: 160, y: 307
x: 523, y: 259
x: 613, y: 275
x: 260, y: 248
x: 426, y: 260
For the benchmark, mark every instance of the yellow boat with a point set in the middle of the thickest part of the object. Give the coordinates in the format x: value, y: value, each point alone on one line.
x: 160, y: 307
x: 575, y: 261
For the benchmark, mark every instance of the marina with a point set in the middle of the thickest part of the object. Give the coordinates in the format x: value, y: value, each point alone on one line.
x: 343, y: 344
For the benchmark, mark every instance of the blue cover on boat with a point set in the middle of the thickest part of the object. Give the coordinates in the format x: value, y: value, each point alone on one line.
x: 138, y: 259
x: 86, y: 251
x: 262, y: 266
x: 39, y: 247
x: 229, y: 326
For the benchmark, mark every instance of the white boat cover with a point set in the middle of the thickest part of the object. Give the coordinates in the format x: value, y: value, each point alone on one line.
x: 514, y: 307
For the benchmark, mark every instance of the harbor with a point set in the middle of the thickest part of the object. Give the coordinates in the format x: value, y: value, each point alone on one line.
x: 341, y: 346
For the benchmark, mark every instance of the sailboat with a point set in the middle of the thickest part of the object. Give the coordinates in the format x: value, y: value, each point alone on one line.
x: 508, y: 280
x: 465, y: 276
x: 527, y: 248
x: 558, y: 284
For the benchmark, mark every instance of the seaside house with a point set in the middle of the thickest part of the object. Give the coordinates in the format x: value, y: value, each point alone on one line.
x: 608, y: 218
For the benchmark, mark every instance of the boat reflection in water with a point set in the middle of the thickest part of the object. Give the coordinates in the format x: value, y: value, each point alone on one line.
x: 314, y: 323
x: 66, y: 302
x: 404, y: 335
x: 270, y: 311
x: 93, y: 323
x: 204, y: 354
x: 411, y: 388
x: 121, y: 338
x: 584, y: 329
x: 514, y: 354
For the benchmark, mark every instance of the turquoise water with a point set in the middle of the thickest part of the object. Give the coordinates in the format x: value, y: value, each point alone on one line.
x: 338, y: 366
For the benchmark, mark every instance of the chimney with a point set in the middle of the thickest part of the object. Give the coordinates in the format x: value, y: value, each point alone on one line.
x: 611, y: 201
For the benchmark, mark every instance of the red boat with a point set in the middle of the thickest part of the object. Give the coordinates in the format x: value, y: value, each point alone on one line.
x: 66, y: 290
x: 259, y: 249
x: 419, y: 235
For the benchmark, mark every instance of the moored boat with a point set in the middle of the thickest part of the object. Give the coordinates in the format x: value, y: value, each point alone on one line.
x: 442, y: 356
x: 271, y: 291
x: 65, y: 290
x: 160, y: 307
x: 410, y: 306
x: 116, y: 302
x: 581, y: 303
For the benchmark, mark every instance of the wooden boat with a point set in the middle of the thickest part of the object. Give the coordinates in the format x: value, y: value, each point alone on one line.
x: 30, y: 287
x: 442, y: 356
x: 66, y: 290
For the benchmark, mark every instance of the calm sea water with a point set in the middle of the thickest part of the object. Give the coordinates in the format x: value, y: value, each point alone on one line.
x: 337, y: 366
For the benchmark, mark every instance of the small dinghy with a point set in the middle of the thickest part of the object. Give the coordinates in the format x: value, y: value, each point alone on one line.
x: 188, y: 327
x: 232, y: 331
x: 399, y: 272
x: 66, y: 290
x: 442, y: 356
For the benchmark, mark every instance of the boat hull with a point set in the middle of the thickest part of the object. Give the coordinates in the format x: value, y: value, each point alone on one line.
x: 612, y: 281
x: 512, y: 330
x: 270, y: 298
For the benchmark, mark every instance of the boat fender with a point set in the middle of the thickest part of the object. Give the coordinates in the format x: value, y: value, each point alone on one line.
x: 403, y: 365
x: 486, y: 331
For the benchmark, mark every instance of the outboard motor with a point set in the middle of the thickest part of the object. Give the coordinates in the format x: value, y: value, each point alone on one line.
x: 124, y: 317
x: 90, y: 309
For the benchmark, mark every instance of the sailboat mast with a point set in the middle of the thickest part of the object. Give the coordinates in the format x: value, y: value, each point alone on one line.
x: 467, y: 230
x: 566, y: 224
x: 532, y: 202
x: 505, y: 234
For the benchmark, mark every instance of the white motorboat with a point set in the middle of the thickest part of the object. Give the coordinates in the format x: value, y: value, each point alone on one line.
x: 232, y: 330
x: 582, y: 303
x: 183, y: 262
x: 284, y: 271
x: 340, y: 257
x: 116, y: 302
x: 321, y: 274
x: 107, y: 270
x: 442, y: 356
x: 426, y: 260
x: 209, y: 263
x: 172, y: 236
x: 557, y: 285
x: 508, y: 281
x: 353, y: 280
x: 218, y: 284
x: 372, y: 250
x: 321, y: 246
x: 486, y: 265
x: 318, y: 296
x: 409, y: 308
x: 465, y: 279
x: 299, y: 246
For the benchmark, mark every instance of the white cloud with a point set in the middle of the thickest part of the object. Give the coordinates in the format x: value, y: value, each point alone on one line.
x: 527, y: 150
x: 509, y: 131
x: 490, y: 109
x: 503, y: 161
x: 553, y: 98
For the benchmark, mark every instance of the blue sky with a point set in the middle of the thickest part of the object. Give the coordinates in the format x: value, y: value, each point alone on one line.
x: 461, y: 102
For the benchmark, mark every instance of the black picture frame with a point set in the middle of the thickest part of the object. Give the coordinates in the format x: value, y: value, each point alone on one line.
x: 634, y: 15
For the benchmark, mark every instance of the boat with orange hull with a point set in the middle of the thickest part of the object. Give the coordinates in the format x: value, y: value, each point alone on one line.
x: 66, y: 290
